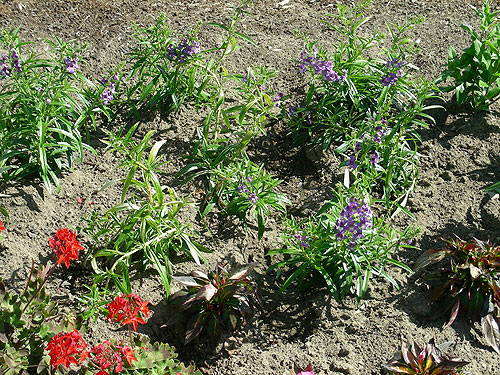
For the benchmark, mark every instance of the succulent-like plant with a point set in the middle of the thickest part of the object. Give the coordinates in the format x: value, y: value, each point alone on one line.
x: 26, y: 323
x: 470, y: 278
x: 215, y: 302
x: 428, y: 360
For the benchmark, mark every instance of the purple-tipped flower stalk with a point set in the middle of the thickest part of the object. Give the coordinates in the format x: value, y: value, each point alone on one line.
x: 183, y: 51
x: 303, y: 240
x: 71, y: 64
x: 353, y: 219
x: 253, y: 198
x: 324, y: 67
x: 16, y: 60
x: 374, y: 158
x: 351, y: 163
x: 392, y: 77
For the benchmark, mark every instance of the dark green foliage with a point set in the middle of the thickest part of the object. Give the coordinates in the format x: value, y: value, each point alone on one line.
x: 468, y: 280
x: 215, y: 302
x: 428, y: 360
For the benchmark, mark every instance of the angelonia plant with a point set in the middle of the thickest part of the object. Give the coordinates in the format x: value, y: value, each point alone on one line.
x: 343, y: 244
x: 467, y: 280
x: 219, y: 301
x: 427, y: 360
x: 143, y: 229
x: 45, y: 103
x: 345, y: 87
x: 237, y: 186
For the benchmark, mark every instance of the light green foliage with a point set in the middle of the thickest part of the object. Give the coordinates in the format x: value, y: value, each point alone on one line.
x: 143, y: 228
x: 314, y: 250
x: 42, y: 110
x: 476, y: 72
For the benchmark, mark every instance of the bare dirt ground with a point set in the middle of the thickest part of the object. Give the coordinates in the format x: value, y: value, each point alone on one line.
x: 460, y: 157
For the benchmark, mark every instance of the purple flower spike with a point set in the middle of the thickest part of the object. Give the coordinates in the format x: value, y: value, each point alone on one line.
x: 353, y: 219
x: 253, y: 198
x: 71, y: 64
x: 374, y: 158
x: 352, y: 162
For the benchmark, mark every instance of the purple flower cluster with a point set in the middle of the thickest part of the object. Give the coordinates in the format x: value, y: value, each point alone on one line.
x: 325, y: 67
x: 7, y: 61
x: 353, y: 219
x: 374, y: 158
x: 351, y: 163
x: 304, y: 240
x: 16, y: 60
x: 253, y: 198
x: 107, y: 94
x: 71, y: 64
x: 183, y: 51
x: 392, y: 77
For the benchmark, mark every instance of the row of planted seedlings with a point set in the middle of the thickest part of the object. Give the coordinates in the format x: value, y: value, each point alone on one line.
x: 363, y: 106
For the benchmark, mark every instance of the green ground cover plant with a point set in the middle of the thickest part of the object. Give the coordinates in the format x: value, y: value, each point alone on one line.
x: 476, y: 72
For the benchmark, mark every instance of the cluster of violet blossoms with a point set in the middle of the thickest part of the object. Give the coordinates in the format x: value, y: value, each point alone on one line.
x: 107, y: 94
x: 243, y: 188
x: 183, y: 51
x: 303, y: 239
x: 71, y: 64
x: 392, y: 77
x: 6, y: 61
x: 325, y: 67
x: 353, y: 219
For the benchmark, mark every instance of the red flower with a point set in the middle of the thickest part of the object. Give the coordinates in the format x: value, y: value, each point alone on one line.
x: 1, y: 225
x: 65, y: 246
x: 127, y: 308
x: 66, y: 348
x: 108, y: 357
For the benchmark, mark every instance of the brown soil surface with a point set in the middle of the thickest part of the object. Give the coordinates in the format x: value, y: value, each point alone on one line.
x: 460, y: 157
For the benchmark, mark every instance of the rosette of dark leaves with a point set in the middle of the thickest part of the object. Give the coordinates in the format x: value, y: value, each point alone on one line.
x: 469, y: 279
x: 428, y: 360
x: 215, y: 302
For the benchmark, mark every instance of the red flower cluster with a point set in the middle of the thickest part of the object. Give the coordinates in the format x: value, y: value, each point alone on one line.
x: 127, y: 308
x: 108, y: 357
x: 65, y: 246
x: 66, y: 348
x: 1, y: 226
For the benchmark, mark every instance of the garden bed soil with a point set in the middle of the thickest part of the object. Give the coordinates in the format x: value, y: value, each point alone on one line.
x: 460, y: 157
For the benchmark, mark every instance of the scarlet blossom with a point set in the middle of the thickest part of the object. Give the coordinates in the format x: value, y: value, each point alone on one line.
x: 108, y: 357
x: 65, y: 246
x: 126, y: 309
x: 67, y: 348
x: 1, y: 225
x: 80, y: 200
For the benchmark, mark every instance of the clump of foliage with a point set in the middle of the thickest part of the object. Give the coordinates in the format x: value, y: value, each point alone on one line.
x: 235, y: 185
x: 165, y: 73
x: 349, y: 85
x: 44, y: 104
x: 468, y: 280
x: 428, y: 360
x: 344, y: 243
x: 143, y: 228
x: 215, y: 302
x: 475, y: 72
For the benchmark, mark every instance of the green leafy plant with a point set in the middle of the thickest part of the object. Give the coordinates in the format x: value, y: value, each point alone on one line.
x: 237, y: 185
x: 165, y: 73
x: 143, y: 228
x: 43, y: 106
x: 383, y: 159
x: 428, y: 360
x: 343, y: 244
x: 469, y: 280
x: 350, y: 85
x: 476, y: 72
x: 215, y: 302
